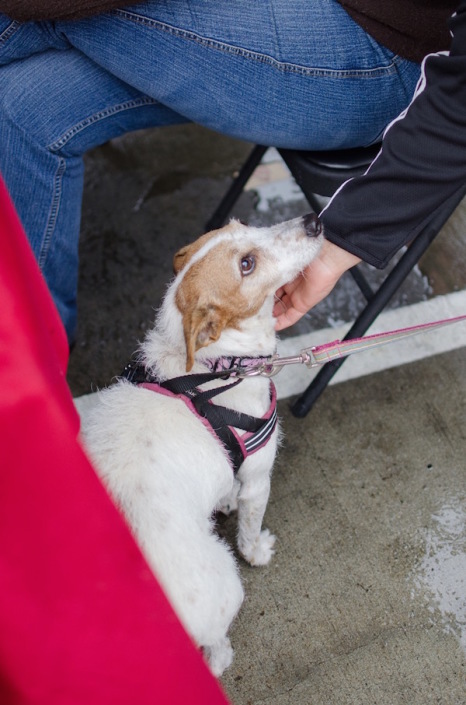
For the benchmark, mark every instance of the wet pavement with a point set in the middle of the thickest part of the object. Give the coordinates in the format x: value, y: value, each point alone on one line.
x: 364, y: 601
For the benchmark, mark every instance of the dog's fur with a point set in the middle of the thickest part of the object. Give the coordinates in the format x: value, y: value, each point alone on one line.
x: 163, y: 467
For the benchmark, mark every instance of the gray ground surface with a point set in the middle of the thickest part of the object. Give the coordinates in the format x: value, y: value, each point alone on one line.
x: 364, y: 601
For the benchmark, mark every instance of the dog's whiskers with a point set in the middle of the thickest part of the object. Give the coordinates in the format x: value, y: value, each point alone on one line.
x: 278, y: 299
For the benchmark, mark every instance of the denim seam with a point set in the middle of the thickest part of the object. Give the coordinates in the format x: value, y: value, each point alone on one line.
x: 53, y: 213
x: 9, y: 31
x: 96, y: 117
x: 257, y: 56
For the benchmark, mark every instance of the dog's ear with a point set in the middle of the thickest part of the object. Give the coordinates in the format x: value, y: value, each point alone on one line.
x: 183, y: 256
x: 202, y: 326
x: 180, y: 259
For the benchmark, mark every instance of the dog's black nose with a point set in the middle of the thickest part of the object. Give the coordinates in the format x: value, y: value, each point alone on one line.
x: 312, y: 225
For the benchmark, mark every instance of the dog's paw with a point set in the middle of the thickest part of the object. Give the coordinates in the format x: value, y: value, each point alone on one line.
x: 219, y: 656
x: 261, y: 551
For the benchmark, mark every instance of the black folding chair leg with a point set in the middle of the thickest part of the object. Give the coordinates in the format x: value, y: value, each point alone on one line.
x: 236, y: 189
x: 322, y: 173
x: 303, y: 405
x: 314, y: 202
x: 378, y: 302
x: 363, y: 284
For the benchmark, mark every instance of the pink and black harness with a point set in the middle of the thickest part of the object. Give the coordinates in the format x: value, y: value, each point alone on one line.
x: 220, y: 420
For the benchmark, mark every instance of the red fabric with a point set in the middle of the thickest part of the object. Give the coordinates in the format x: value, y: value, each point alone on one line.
x: 82, y: 619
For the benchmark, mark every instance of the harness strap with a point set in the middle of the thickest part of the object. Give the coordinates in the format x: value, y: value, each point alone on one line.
x: 221, y: 419
x: 225, y: 434
x: 137, y: 373
x: 188, y: 385
x: 229, y: 416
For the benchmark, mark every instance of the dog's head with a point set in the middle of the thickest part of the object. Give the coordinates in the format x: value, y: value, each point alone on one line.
x: 227, y: 275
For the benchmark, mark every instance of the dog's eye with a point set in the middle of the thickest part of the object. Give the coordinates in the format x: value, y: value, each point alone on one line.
x: 247, y: 264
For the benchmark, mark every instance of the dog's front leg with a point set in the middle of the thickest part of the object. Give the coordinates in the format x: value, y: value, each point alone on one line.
x: 255, y: 544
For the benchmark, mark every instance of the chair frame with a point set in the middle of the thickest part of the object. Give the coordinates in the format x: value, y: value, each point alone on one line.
x: 329, y: 171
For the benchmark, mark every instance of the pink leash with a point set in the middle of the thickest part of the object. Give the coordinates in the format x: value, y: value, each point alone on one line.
x: 321, y: 354
x: 341, y: 348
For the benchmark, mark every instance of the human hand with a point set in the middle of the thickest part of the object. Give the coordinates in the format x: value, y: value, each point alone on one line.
x: 312, y: 285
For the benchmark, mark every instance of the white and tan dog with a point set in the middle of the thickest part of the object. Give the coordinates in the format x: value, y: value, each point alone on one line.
x: 164, y: 468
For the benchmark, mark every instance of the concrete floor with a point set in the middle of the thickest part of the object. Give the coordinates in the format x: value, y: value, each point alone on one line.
x: 365, y: 599
x: 364, y: 602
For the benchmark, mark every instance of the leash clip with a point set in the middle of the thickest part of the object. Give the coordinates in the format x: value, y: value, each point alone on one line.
x: 308, y: 358
x: 266, y: 369
x: 276, y: 363
x: 319, y: 355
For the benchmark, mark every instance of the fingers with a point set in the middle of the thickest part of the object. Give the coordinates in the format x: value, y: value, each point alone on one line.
x: 288, y: 318
x: 315, y: 283
x: 283, y: 297
x: 291, y: 306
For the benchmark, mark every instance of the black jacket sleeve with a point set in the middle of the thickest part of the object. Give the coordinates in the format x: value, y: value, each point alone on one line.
x: 421, y: 164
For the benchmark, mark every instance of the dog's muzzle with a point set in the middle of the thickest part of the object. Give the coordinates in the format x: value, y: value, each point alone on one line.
x: 312, y: 225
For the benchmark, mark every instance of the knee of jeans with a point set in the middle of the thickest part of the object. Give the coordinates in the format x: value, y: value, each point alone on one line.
x: 8, y: 29
x: 17, y: 102
x: 20, y: 106
x: 20, y: 40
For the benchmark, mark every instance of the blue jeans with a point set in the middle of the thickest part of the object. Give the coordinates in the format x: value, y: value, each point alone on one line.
x: 279, y: 72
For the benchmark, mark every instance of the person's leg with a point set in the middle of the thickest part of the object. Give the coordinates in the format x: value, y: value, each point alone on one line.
x: 53, y: 107
x: 282, y: 72
x: 21, y: 39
